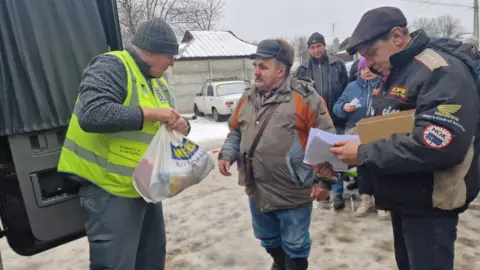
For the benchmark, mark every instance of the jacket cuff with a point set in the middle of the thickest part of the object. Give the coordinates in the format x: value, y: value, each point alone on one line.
x: 143, y: 118
x: 189, y: 126
x: 222, y: 156
x: 362, y: 154
x: 323, y: 182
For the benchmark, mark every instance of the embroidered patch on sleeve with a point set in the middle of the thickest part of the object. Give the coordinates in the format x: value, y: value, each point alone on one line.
x: 436, y: 137
x: 399, y: 92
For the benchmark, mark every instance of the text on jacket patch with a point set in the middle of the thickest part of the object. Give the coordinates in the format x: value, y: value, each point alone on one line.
x: 389, y: 110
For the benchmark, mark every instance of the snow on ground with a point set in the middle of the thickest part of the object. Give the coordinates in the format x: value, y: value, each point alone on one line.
x: 206, y: 129
x: 209, y: 228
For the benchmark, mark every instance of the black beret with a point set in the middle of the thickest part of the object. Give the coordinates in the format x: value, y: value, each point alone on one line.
x: 374, y: 24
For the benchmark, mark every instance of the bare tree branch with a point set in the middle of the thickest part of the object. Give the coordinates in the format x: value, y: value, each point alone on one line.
x: 151, y: 8
x: 300, y: 44
x: 180, y: 14
x: 130, y: 13
x: 203, y: 14
x: 441, y: 26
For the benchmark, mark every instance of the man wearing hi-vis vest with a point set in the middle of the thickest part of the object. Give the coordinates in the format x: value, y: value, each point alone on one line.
x: 122, y: 102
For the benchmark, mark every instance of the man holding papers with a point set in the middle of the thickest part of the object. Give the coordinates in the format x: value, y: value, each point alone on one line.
x: 427, y: 177
x: 269, y: 132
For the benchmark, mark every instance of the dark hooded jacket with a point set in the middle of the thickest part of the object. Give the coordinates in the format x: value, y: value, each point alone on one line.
x: 434, y: 169
x: 330, y: 80
x: 352, y: 74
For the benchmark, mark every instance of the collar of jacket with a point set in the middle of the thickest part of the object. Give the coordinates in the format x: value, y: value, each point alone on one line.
x: 142, y: 65
x: 281, y: 94
x: 363, y: 83
x: 331, y: 60
x: 418, y: 43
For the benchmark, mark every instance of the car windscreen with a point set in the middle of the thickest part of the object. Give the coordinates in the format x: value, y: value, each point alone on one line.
x: 226, y: 89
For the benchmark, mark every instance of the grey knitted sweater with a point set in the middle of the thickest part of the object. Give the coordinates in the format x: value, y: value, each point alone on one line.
x: 103, y: 90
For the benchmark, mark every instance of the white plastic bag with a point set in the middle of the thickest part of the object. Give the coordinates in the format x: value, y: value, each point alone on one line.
x: 171, y: 164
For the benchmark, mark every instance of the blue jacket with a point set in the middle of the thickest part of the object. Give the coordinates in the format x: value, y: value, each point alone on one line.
x: 360, y: 89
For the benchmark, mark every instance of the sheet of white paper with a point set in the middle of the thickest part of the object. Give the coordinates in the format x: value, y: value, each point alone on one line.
x: 356, y: 102
x: 318, y: 148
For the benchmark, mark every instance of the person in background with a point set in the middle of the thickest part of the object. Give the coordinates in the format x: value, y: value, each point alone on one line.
x: 122, y: 102
x: 473, y: 43
x: 330, y: 76
x: 353, y: 105
x: 428, y: 176
x: 352, y: 75
x: 279, y: 185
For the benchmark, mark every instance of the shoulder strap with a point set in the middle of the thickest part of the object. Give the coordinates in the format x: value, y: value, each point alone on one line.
x: 256, y: 140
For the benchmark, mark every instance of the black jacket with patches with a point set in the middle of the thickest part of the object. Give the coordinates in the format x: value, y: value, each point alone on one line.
x: 334, y: 80
x: 434, y: 169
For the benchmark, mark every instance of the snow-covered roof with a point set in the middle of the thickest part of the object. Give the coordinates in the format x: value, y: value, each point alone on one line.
x: 213, y: 44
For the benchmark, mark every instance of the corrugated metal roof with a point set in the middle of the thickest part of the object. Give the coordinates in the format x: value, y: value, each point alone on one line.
x: 213, y: 44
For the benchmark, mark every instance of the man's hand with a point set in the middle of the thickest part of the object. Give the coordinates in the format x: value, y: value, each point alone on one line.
x: 325, y: 170
x: 319, y: 193
x: 224, y: 167
x: 165, y: 115
x: 346, y: 151
x: 349, y: 107
x: 181, y: 125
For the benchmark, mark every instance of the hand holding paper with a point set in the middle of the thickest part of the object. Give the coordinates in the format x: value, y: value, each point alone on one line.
x: 346, y: 151
x: 356, y: 102
x: 319, y: 149
x: 325, y: 170
x: 352, y: 106
x: 349, y: 107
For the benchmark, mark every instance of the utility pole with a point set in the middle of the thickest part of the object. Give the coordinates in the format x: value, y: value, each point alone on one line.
x: 333, y: 30
x: 475, y: 19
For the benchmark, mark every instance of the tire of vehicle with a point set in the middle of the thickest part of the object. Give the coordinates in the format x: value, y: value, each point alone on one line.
x: 216, y: 116
x: 196, y: 111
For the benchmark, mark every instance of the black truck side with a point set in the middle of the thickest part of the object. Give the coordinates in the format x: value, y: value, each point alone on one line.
x: 44, y: 47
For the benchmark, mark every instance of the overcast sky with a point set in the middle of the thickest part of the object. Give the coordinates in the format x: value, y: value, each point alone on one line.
x: 258, y: 19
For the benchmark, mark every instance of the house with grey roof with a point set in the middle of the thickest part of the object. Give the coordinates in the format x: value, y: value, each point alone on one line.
x: 205, y: 55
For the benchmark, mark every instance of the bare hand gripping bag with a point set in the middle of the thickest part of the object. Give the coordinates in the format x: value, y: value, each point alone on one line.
x: 171, y: 164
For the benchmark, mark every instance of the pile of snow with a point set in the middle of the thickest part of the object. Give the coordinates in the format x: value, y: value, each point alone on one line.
x: 209, y: 227
x: 204, y: 129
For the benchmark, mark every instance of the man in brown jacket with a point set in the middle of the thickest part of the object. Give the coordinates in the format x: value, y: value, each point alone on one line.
x: 281, y: 109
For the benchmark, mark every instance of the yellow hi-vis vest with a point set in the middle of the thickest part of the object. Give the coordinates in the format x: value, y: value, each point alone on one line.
x: 108, y: 160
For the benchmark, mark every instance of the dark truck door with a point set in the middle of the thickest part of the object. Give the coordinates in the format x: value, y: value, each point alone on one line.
x: 45, y: 47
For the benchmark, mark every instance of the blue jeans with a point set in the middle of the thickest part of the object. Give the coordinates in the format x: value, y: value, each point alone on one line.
x: 289, y: 229
x: 123, y: 233
x: 337, y: 188
x: 424, y: 243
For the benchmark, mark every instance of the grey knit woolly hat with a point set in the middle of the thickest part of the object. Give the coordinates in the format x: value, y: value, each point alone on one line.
x: 156, y: 36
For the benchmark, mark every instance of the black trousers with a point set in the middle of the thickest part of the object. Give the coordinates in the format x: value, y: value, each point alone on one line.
x: 424, y: 243
x: 365, y: 186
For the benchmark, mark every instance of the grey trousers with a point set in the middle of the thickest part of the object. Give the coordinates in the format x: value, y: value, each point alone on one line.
x: 123, y: 234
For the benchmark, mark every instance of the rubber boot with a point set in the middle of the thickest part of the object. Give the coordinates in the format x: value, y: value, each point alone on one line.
x: 338, y: 202
x: 296, y: 264
x: 278, y: 256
